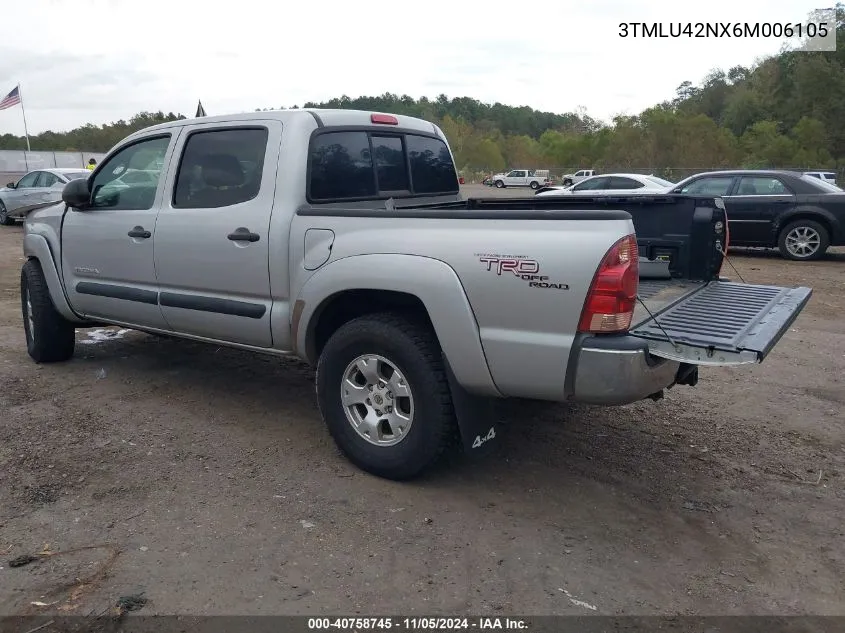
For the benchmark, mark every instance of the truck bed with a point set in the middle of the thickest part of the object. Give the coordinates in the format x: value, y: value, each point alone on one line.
x: 684, y: 310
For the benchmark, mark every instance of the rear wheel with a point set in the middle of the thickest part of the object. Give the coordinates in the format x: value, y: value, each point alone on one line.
x: 500, y: 184
x: 384, y: 395
x: 803, y: 240
x: 535, y: 185
x: 567, y: 182
x: 50, y: 338
x: 5, y: 220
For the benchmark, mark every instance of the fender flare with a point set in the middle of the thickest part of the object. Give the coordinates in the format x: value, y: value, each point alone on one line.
x: 430, y: 280
x: 36, y: 247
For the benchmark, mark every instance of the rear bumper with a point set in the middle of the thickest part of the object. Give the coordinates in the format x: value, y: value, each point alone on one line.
x: 618, y: 370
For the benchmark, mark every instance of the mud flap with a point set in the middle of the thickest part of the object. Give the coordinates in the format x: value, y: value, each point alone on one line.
x: 477, y: 419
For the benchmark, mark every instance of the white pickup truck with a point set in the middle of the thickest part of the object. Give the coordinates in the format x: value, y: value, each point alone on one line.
x: 570, y: 179
x: 522, y: 178
x: 341, y: 237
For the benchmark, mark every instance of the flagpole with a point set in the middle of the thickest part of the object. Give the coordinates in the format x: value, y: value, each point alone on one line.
x: 23, y: 112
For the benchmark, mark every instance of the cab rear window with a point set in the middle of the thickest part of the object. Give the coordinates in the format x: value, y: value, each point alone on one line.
x: 346, y: 165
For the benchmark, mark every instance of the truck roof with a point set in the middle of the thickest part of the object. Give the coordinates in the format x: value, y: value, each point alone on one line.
x: 326, y: 117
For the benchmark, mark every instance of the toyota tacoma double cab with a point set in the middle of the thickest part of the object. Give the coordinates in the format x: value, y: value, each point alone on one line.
x: 570, y: 179
x: 341, y: 237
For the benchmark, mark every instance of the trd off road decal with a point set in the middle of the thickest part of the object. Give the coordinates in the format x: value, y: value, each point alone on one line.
x: 521, y: 267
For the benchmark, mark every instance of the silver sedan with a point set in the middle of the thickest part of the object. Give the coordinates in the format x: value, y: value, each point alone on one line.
x: 36, y: 189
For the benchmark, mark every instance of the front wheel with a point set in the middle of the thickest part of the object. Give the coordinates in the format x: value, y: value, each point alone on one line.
x: 384, y: 395
x: 5, y: 220
x: 50, y: 338
x: 803, y: 240
x: 500, y: 184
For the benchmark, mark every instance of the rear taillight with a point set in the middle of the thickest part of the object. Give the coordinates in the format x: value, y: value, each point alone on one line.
x: 613, y: 294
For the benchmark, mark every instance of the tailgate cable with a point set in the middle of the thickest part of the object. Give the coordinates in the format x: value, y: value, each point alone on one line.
x: 731, y: 264
x: 653, y: 318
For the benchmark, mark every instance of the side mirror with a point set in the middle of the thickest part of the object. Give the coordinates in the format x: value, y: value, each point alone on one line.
x: 10, y: 185
x: 76, y: 194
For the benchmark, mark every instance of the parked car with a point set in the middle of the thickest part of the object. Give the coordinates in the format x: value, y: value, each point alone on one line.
x: 348, y: 244
x: 611, y: 184
x: 800, y: 215
x: 35, y: 189
x: 521, y: 178
x: 827, y: 176
x: 578, y: 176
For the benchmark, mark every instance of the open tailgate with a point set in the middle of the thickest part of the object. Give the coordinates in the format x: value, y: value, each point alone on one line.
x: 723, y: 323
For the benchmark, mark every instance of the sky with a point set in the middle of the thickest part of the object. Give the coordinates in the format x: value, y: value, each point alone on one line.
x: 97, y: 61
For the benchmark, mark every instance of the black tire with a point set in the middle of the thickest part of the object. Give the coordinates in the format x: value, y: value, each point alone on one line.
x: 500, y: 184
x: 5, y: 220
x: 567, y: 182
x: 414, y: 350
x: 54, y: 336
x: 535, y: 185
x: 807, y: 227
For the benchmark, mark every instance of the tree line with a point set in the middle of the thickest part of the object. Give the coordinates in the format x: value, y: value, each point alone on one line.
x: 786, y: 111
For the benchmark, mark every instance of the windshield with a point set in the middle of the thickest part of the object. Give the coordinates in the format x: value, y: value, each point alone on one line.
x: 660, y: 181
x: 822, y: 185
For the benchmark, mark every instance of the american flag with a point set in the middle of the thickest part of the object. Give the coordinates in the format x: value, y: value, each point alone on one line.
x: 11, y: 99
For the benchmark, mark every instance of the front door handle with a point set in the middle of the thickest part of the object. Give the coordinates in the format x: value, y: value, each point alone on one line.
x: 139, y: 231
x: 243, y: 234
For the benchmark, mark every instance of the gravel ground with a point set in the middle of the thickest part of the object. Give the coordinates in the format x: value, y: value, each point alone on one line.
x: 204, y: 478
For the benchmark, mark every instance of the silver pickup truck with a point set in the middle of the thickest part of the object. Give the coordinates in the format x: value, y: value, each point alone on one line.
x: 341, y: 237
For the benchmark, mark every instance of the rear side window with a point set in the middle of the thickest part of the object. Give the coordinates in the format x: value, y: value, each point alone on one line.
x: 220, y: 168
x: 361, y: 164
x: 432, y: 170
x: 341, y: 166
x: 761, y: 186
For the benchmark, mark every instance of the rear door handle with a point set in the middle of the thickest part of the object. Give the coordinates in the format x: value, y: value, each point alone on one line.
x: 139, y: 231
x: 243, y: 234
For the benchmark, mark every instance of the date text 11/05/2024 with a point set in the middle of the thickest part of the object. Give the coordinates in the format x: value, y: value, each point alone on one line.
x: 724, y: 29
x: 430, y: 624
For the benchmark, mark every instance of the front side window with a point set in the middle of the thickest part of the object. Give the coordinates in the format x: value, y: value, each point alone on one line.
x: 109, y: 191
x: 220, y: 168
x: 47, y: 179
x: 28, y: 181
x: 619, y: 182
x: 593, y: 184
x: 713, y: 186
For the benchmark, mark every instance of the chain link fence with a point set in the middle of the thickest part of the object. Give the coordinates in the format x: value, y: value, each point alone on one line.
x: 17, y: 162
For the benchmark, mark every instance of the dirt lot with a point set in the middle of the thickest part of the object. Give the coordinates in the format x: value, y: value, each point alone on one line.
x: 205, y: 478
